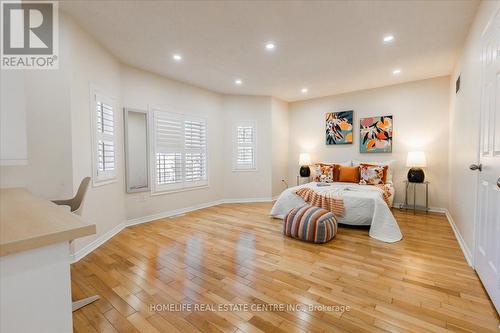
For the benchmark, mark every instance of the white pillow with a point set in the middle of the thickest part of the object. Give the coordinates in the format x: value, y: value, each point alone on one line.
x: 382, y: 163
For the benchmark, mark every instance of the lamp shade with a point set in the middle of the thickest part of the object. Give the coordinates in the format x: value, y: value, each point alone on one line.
x: 304, y: 159
x: 416, y: 159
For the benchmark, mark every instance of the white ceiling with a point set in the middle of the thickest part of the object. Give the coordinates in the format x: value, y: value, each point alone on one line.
x: 329, y: 47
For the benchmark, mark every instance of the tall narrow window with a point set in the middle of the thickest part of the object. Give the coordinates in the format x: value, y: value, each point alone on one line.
x: 104, y: 139
x: 244, y: 150
x: 180, y: 144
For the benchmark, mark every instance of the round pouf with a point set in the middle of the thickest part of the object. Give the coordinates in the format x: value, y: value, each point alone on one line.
x: 310, y: 224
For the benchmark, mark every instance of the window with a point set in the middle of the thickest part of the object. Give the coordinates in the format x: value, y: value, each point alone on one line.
x: 104, y: 139
x: 180, y: 144
x: 244, y: 146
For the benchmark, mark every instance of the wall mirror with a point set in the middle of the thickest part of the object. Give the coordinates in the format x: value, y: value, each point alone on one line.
x: 136, y: 150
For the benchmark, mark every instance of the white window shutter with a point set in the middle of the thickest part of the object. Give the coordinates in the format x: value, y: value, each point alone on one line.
x: 168, y: 141
x: 180, y: 144
x: 195, y: 134
x: 244, y: 152
x: 104, y: 139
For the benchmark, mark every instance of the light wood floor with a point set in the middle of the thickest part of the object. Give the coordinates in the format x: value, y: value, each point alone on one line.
x: 237, y: 254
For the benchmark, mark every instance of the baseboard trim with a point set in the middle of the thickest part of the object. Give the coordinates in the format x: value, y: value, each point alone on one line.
x: 185, y: 210
x: 170, y: 213
x: 150, y: 218
x: 78, y: 255
x: 465, y: 249
x: 246, y: 200
x: 400, y: 205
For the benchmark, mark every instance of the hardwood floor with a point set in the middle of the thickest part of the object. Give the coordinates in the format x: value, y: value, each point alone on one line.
x: 236, y: 254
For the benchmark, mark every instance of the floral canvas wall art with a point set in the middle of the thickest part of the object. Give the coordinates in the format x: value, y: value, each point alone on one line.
x: 375, y: 134
x: 339, y: 127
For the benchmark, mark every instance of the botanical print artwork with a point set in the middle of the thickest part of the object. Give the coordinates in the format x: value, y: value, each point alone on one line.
x: 339, y: 127
x: 375, y: 135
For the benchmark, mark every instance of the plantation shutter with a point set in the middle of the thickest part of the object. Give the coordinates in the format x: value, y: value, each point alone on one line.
x: 104, y: 139
x: 244, y: 151
x: 180, y: 145
x: 169, y: 133
x: 195, y: 135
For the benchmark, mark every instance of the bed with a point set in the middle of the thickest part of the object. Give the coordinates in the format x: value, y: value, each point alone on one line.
x: 363, y: 205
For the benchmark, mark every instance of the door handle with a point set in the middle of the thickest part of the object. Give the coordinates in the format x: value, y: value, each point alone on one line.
x: 498, y: 182
x: 476, y: 167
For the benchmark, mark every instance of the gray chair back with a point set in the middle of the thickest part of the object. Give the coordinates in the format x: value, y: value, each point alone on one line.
x: 76, y: 202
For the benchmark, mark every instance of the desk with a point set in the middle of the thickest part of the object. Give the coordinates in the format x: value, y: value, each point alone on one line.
x: 35, y: 284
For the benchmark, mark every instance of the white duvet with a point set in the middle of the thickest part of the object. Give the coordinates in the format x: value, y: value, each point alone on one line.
x: 363, y: 205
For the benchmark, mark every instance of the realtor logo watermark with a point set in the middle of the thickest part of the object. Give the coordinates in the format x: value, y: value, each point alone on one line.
x: 30, y: 35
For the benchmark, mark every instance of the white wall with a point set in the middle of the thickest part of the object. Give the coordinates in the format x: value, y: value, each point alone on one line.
x: 93, y: 66
x: 46, y: 99
x: 280, y: 138
x: 248, y: 184
x: 141, y: 89
x: 13, y: 138
x: 464, y: 126
x: 420, y: 111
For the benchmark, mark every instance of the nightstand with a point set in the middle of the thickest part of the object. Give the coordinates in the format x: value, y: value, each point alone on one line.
x: 303, y: 180
x: 407, y: 186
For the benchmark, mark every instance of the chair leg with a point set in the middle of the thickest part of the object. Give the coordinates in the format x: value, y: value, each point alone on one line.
x: 86, y: 301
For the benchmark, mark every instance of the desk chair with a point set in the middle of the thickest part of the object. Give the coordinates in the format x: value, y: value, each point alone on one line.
x: 75, y: 205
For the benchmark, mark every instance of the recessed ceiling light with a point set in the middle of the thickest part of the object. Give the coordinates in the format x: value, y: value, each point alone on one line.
x: 388, y: 38
x: 304, y: 90
x: 396, y: 72
x: 270, y: 46
x: 177, y: 57
x: 238, y: 82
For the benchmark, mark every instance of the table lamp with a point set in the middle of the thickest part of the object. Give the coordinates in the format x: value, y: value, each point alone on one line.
x: 304, y: 162
x: 416, y: 161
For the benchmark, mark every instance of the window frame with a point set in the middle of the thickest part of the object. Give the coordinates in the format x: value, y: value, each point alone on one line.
x: 159, y: 189
x: 106, y: 177
x: 236, y: 145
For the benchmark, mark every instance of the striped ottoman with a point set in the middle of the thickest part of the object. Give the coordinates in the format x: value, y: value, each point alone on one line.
x: 311, y: 224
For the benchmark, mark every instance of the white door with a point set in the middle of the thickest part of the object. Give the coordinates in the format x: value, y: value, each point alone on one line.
x: 487, y: 248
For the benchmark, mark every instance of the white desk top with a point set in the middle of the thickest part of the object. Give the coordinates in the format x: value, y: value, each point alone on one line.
x: 28, y: 222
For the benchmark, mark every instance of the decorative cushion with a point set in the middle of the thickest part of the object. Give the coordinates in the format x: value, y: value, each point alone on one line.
x: 389, y: 164
x: 349, y: 174
x: 310, y: 224
x: 371, y: 175
x: 326, y: 173
x: 385, y: 167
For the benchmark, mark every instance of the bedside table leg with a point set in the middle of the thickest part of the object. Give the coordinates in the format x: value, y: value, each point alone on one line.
x: 406, y: 196
x: 427, y: 198
x: 414, y: 199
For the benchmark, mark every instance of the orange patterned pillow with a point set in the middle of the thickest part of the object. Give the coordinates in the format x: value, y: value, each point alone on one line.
x: 349, y: 174
x: 371, y: 175
x: 386, y: 168
x: 326, y: 173
x: 323, y: 173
